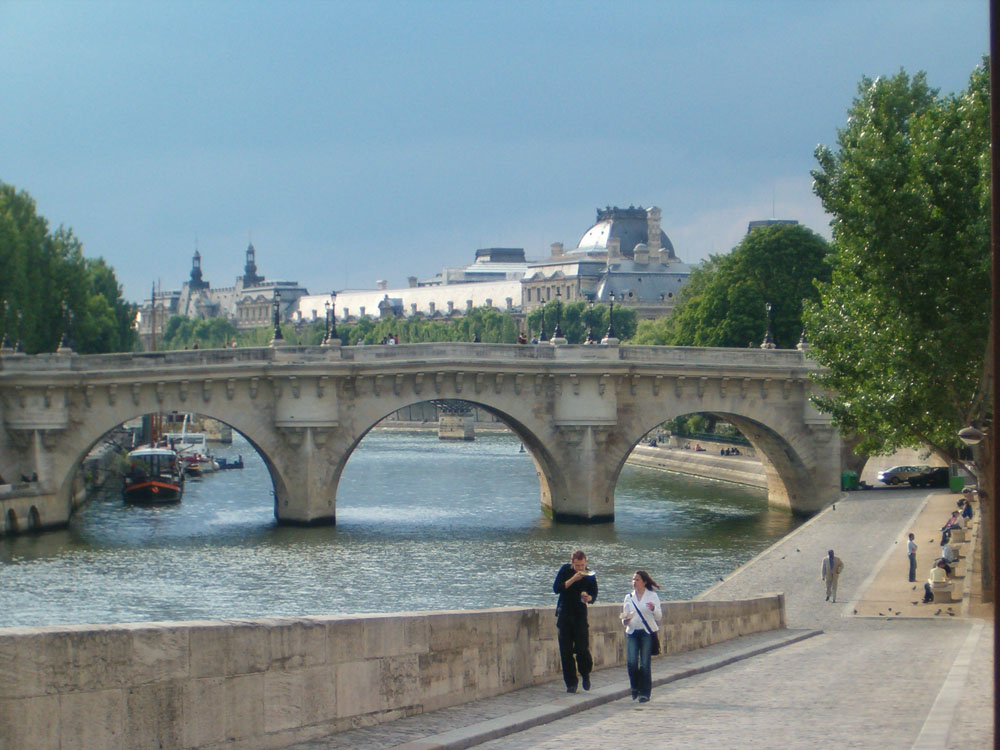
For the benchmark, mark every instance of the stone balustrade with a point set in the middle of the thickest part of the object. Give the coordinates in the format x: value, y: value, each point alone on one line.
x: 268, y: 683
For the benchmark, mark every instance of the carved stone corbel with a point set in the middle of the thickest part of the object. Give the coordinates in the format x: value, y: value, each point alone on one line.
x: 182, y: 389
x: 275, y: 386
x: 161, y: 388
x: 397, y: 384
x: 765, y: 386
x: 786, y: 387
x: 418, y: 383
x: 518, y: 383
x: 254, y: 386
x: 293, y: 383
x: 574, y: 382
x: 136, y: 393
x: 47, y: 395
x: 539, y: 378
x: 602, y: 384
x: 657, y: 384
x: 723, y: 385
x: 321, y: 383
x: 459, y: 381
x: 206, y: 390
x: 633, y: 384
x: 702, y: 382
x: 230, y: 388
x: 480, y: 382
x: 88, y: 394
x: 293, y: 435
x: 377, y: 385
x: 498, y: 383
x: 679, y: 385
x: 438, y: 382
x: 744, y: 387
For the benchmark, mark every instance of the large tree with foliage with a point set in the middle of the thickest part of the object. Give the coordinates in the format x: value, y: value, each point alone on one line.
x: 903, y: 324
x: 724, y: 301
x: 47, y: 285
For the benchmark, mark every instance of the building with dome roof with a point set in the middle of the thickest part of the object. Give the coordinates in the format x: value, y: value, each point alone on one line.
x: 625, y: 255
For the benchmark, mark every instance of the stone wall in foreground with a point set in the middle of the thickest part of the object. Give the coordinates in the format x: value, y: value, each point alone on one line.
x: 267, y: 683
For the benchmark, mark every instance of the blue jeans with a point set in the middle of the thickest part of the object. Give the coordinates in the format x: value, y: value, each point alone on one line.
x: 639, y: 647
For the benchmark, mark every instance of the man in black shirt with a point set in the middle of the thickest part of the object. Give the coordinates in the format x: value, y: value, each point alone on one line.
x: 576, y: 587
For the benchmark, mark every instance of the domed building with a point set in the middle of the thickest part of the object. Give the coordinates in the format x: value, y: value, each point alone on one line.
x: 625, y: 255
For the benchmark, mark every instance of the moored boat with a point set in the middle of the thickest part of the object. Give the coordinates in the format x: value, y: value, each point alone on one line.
x: 154, y: 475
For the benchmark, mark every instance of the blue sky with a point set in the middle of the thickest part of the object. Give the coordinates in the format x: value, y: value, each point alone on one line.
x: 355, y: 141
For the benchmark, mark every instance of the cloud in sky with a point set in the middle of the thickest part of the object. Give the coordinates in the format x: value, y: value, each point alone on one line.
x: 356, y: 141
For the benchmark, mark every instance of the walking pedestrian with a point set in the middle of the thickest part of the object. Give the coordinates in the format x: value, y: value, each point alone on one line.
x: 833, y: 566
x: 641, y: 614
x: 576, y: 586
x: 911, y: 555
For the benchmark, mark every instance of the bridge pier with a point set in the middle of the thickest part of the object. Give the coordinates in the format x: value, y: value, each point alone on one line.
x: 303, y: 469
x: 581, y: 483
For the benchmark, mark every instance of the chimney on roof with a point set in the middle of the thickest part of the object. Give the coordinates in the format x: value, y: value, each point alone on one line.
x: 557, y: 249
x: 412, y: 281
x: 653, y: 216
x: 614, y: 249
x: 381, y: 284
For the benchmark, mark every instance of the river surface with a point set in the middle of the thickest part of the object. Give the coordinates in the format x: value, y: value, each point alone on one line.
x: 421, y: 524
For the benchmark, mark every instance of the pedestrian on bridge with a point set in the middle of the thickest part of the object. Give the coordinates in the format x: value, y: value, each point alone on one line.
x: 576, y: 586
x: 833, y: 566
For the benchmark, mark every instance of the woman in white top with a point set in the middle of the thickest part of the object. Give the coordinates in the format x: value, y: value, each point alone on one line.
x: 641, y: 616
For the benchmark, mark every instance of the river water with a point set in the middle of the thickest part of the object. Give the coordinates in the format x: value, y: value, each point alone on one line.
x: 421, y: 524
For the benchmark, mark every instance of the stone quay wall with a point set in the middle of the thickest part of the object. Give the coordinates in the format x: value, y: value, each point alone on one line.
x: 708, y: 464
x: 268, y: 683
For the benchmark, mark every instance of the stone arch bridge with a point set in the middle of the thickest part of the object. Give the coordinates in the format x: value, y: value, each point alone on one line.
x: 579, y: 410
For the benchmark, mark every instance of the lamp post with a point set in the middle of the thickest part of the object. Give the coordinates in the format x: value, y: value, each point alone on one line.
x: 18, y: 344
x: 278, y: 338
x: 768, y: 342
x: 541, y: 332
x: 590, y: 323
x: 5, y: 341
x: 65, y: 343
x: 333, y: 318
x: 609, y: 335
x: 557, y: 334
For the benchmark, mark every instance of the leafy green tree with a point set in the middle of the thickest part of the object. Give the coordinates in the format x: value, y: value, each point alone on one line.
x: 902, y: 326
x: 47, y: 286
x: 723, y: 303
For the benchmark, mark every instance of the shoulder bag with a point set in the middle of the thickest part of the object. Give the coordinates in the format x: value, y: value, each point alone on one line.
x: 656, y: 636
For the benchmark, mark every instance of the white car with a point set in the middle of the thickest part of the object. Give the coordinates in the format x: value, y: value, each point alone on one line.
x: 900, y: 474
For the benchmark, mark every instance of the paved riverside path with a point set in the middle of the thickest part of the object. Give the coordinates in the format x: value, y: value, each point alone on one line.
x: 882, y: 682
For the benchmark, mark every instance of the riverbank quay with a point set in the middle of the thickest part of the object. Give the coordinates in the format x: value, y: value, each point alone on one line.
x: 864, y: 683
x: 707, y: 464
x: 267, y: 683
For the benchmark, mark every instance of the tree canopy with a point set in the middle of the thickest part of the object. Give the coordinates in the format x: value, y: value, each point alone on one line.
x: 902, y: 325
x: 724, y: 301
x: 48, y: 287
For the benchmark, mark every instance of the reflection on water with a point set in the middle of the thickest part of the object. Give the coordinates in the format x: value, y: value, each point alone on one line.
x: 421, y: 524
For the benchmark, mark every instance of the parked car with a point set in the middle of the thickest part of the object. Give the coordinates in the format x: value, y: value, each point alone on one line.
x: 900, y: 474
x: 935, y: 476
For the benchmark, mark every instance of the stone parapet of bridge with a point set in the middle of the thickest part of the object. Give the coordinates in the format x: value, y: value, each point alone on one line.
x: 579, y: 410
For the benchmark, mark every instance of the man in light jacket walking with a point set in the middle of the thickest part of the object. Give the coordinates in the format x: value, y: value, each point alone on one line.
x: 833, y: 566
